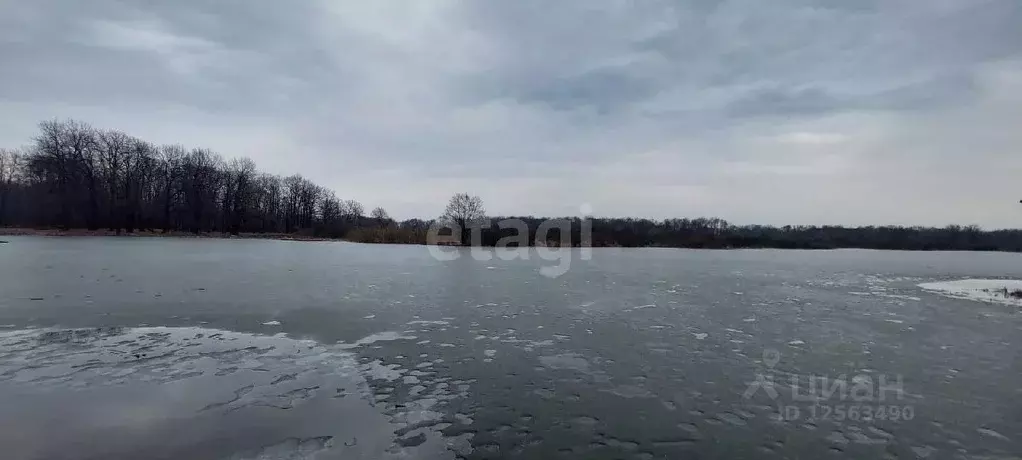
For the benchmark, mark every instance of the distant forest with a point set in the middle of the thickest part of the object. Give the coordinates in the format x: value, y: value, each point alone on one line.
x: 74, y: 176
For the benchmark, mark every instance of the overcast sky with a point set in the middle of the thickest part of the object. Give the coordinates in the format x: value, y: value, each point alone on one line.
x: 773, y: 112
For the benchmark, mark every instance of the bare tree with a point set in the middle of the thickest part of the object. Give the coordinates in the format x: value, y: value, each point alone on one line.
x: 464, y: 210
x: 169, y: 177
x: 238, y: 193
x: 10, y: 164
x: 309, y: 198
x: 139, y: 185
x: 352, y: 209
x: 300, y: 199
x: 292, y: 191
x: 270, y: 202
x: 65, y: 157
x: 329, y: 208
x: 201, y: 180
x: 81, y: 141
x: 113, y: 150
x: 380, y: 215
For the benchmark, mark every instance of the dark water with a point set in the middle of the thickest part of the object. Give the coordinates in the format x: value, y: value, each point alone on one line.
x: 172, y: 348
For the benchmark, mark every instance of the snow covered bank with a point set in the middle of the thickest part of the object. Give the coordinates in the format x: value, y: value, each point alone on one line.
x: 984, y: 290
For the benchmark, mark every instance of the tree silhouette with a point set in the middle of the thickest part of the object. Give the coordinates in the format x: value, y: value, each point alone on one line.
x: 380, y: 215
x: 77, y: 176
x: 463, y: 211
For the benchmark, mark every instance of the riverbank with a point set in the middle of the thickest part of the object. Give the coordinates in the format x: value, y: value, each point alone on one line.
x: 17, y: 231
x: 394, y: 235
x: 366, y: 236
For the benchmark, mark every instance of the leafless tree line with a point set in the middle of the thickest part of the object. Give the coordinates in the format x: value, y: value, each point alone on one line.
x: 77, y: 176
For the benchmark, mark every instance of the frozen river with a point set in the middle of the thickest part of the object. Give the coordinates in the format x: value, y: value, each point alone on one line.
x: 131, y: 348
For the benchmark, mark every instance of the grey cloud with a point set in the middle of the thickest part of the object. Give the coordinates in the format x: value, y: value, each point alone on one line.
x: 254, y: 57
x: 803, y: 57
x: 604, y: 90
x: 778, y: 101
x: 932, y: 93
x: 580, y: 96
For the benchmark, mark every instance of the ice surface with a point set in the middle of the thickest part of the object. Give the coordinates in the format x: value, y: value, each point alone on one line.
x: 377, y: 337
x: 983, y: 290
x: 204, y: 393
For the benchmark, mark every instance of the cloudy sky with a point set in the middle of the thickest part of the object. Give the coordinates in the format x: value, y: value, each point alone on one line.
x: 774, y: 112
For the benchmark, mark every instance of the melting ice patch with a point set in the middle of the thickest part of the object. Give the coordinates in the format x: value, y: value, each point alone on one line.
x: 377, y: 337
x: 982, y: 290
x: 992, y: 433
x: 571, y: 361
x: 139, y: 391
x: 429, y: 323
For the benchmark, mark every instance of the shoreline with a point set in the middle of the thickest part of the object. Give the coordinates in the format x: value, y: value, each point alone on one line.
x: 81, y: 232
x: 53, y: 232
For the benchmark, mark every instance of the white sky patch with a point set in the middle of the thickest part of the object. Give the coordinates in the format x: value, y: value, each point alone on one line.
x: 182, y: 54
x: 143, y: 36
x: 821, y: 165
x: 811, y: 138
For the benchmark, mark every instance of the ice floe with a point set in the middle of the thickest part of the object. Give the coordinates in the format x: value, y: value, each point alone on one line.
x: 378, y: 337
x: 982, y: 290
